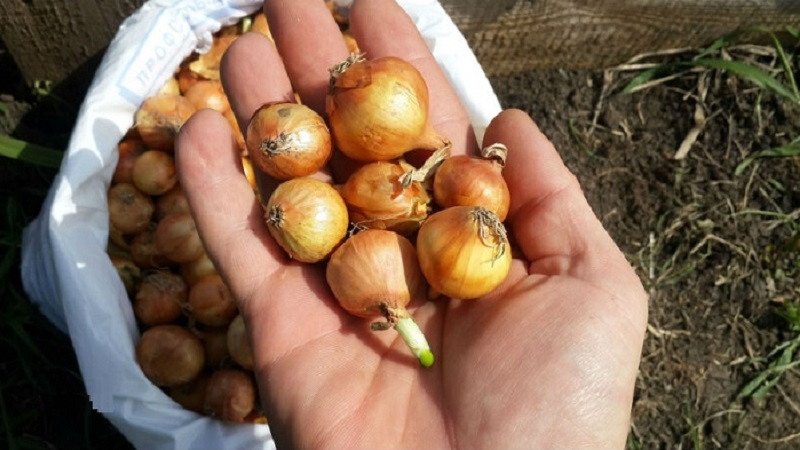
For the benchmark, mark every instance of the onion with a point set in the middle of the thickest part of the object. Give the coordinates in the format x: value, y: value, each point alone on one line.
x: 230, y: 395
x: 170, y: 86
x: 211, y: 302
x: 463, y: 251
x: 376, y: 198
x: 374, y: 273
x: 288, y: 140
x: 154, y: 172
x: 130, y: 210
x: 144, y: 252
x: 160, y: 117
x: 129, y: 273
x: 307, y: 217
x: 378, y: 109
x: 215, y: 347
x: 160, y: 298
x: 192, y: 395
x: 238, y: 343
x: 169, y: 355
x: 207, y: 64
x: 187, y: 78
x: 171, y: 202
x: 471, y: 181
x: 196, y: 269
x: 127, y: 150
x: 176, y: 238
x: 238, y: 136
x: 208, y: 94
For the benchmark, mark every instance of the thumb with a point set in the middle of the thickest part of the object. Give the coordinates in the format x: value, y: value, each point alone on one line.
x: 549, y: 215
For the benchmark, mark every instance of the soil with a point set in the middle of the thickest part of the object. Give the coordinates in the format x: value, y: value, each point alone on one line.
x: 717, y: 250
x: 710, y: 245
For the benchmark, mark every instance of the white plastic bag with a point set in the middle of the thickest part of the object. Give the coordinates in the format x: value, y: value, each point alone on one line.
x: 65, y: 268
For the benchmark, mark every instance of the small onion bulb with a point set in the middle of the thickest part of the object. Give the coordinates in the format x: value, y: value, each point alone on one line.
x: 464, y: 251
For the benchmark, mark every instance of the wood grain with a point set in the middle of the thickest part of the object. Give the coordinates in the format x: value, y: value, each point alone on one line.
x: 51, y: 39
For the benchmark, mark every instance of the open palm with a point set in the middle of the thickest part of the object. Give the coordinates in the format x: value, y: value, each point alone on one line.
x: 548, y: 360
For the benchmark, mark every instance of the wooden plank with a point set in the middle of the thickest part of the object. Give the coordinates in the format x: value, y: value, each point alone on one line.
x: 56, y: 39
x: 511, y: 36
x: 50, y: 39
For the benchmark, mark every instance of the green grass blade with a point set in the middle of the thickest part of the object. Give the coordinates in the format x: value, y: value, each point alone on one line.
x: 659, y: 71
x: 792, y: 149
x: 748, y: 72
x: 30, y: 153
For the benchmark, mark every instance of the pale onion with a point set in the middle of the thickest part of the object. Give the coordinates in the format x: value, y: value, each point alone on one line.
x: 375, y: 273
x: 377, y: 198
x: 378, y: 109
x: 307, y: 217
x: 464, y: 180
x: 463, y: 251
x: 169, y: 355
x: 288, y: 140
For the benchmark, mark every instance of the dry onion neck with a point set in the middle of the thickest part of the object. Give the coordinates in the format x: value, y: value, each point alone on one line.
x: 496, y: 152
x: 275, y: 216
x: 424, y: 173
x: 341, y: 67
x: 490, y: 230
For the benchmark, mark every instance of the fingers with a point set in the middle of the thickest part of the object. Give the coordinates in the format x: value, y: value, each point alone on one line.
x: 223, y: 204
x: 310, y: 42
x: 252, y: 74
x: 382, y: 28
x: 549, y: 216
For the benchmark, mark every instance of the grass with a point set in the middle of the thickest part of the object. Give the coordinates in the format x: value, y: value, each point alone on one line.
x: 43, y: 402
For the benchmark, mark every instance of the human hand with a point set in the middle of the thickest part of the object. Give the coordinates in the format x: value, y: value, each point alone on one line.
x: 548, y: 360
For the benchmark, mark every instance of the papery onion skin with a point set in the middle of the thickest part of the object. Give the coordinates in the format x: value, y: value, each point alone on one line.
x: 376, y: 199
x: 192, y: 395
x: 160, y: 298
x: 373, y: 270
x: 454, y: 258
x: 230, y: 395
x: 170, y: 355
x: 154, y: 172
x: 307, y: 217
x: 211, y: 302
x: 176, y: 237
x: 378, y: 110
x: 130, y: 210
x: 159, y: 119
x: 463, y: 180
x: 238, y: 343
x: 288, y: 140
x: 144, y: 252
x: 128, y: 150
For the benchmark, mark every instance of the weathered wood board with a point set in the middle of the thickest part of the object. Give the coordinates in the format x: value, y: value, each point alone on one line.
x: 50, y: 39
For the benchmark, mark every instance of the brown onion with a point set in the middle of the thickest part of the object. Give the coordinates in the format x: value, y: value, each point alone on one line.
x: 130, y: 210
x: 215, y: 346
x: 196, y: 269
x: 160, y: 117
x: 169, y: 355
x: 129, y: 273
x: 464, y: 180
x: 128, y: 150
x: 230, y: 395
x: 176, y: 238
x: 288, y: 140
x: 144, y: 252
x: 211, y: 302
x: 376, y: 198
x: 238, y: 343
x: 154, y: 172
x: 208, y: 94
x: 160, y: 298
x: 464, y: 251
x: 192, y: 395
x: 307, y: 217
x: 171, y: 202
x: 378, y: 109
x: 375, y: 273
